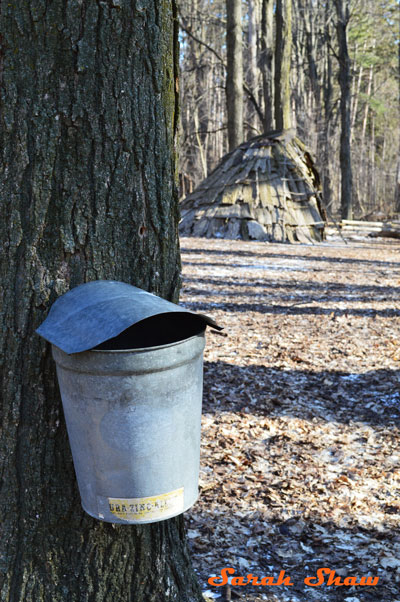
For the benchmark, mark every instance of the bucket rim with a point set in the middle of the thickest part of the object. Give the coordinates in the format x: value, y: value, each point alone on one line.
x: 131, y: 361
x: 139, y: 349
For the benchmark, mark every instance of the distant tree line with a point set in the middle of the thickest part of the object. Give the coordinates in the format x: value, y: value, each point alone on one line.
x: 328, y: 69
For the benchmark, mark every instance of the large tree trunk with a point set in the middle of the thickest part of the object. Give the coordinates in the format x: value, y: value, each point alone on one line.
x: 88, y: 120
x: 283, y: 49
x: 234, y: 73
x: 343, y: 16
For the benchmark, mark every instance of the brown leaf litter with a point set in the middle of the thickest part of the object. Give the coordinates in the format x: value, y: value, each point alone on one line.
x: 300, y: 458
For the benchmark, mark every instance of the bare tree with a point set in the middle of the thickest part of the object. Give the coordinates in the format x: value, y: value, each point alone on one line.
x: 234, y: 73
x: 267, y: 62
x: 343, y: 17
x: 397, y: 182
x: 252, y: 71
x: 315, y: 93
x: 283, y: 49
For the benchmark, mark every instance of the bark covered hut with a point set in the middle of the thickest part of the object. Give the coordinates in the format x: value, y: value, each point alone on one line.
x: 266, y: 189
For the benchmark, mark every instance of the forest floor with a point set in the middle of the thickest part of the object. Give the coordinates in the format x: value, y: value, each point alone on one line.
x: 300, y: 456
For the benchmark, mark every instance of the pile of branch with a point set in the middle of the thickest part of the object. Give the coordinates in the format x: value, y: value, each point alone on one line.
x: 389, y: 229
x: 348, y: 226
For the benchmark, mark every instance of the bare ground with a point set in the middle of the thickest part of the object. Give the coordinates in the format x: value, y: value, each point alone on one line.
x: 300, y: 460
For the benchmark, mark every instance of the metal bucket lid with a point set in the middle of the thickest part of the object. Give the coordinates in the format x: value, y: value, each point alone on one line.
x: 92, y: 313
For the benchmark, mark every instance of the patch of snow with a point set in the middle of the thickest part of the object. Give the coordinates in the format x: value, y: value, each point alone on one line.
x: 352, y: 377
x: 271, y: 267
x: 210, y: 594
x: 391, y: 399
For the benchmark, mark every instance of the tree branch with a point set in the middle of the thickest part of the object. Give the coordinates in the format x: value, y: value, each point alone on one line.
x: 246, y: 89
x: 206, y: 132
x: 201, y: 42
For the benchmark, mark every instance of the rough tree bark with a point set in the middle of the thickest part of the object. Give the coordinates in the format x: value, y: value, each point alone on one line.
x: 343, y: 16
x: 234, y: 73
x: 283, y: 49
x: 88, y: 114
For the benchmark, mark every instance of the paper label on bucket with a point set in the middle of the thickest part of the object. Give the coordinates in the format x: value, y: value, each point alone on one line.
x: 148, y: 508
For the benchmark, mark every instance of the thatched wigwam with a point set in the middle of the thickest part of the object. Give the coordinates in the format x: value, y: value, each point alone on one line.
x: 266, y: 189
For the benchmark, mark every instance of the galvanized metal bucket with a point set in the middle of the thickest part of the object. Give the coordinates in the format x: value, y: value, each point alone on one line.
x: 133, y: 413
x: 133, y: 420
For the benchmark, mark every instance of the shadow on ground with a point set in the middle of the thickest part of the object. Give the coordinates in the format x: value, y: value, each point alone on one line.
x: 371, y: 397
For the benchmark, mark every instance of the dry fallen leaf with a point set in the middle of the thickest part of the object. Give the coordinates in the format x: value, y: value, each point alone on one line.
x: 300, y: 439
